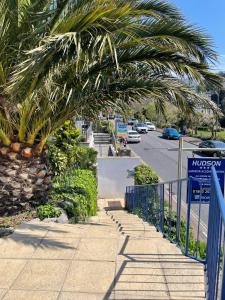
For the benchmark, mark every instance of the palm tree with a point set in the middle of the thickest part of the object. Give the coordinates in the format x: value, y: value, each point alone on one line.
x: 82, y: 56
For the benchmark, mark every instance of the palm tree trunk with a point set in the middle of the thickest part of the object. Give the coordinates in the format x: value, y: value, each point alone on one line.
x: 24, y: 182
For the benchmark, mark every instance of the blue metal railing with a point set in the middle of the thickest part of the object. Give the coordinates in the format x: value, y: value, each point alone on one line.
x: 215, y: 265
x: 157, y: 204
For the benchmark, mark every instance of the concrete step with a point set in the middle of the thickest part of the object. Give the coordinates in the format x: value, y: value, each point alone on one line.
x: 101, y: 142
x: 102, y: 138
x: 150, y: 267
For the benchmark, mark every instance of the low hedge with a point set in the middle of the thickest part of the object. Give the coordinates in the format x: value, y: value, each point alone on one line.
x: 48, y: 211
x: 80, y: 188
x: 143, y: 174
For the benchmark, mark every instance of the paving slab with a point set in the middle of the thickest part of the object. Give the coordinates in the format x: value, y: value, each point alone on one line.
x: 114, y: 255
x: 9, y: 270
x: 30, y: 295
x: 98, y: 249
x: 58, y: 248
x: 2, y: 293
x: 18, y: 247
x: 42, y: 275
x: 90, y: 276
x: 84, y: 296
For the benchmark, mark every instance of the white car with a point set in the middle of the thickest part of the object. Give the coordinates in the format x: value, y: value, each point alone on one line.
x: 132, y: 121
x: 140, y: 128
x: 133, y: 137
x: 151, y: 126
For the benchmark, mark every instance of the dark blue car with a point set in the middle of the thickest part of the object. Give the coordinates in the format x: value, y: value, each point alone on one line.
x: 213, y: 145
x: 171, y: 133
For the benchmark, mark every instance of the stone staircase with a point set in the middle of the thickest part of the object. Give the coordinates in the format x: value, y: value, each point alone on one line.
x: 115, y: 255
x: 101, y: 138
x: 150, y: 267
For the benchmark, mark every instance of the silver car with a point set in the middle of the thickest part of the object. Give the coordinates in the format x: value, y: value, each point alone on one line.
x: 133, y: 137
x: 140, y: 128
x: 151, y: 126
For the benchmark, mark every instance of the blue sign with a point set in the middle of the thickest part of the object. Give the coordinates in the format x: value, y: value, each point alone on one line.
x: 200, y: 169
x: 121, y: 129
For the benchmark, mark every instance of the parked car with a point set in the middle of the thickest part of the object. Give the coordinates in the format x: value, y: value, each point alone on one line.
x: 170, y: 133
x: 118, y: 118
x: 213, y: 144
x: 133, y: 137
x: 151, y: 126
x: 111, y: 117
x: 140, y: 127
x: 132, y: 121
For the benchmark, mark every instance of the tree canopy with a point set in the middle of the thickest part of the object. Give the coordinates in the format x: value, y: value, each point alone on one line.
x: 80, y: 56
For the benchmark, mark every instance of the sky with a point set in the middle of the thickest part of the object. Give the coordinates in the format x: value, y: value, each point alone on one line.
x: 209, y: 15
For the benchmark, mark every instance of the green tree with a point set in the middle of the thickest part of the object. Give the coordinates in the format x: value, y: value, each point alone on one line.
x: 80, y: 57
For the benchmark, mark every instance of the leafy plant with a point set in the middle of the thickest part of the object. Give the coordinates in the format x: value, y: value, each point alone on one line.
x: 58, y: 159
x: 86, y: 158
x: 80, y: 188
x: 48, y: 211
x: 68, y: 134
x: 105, y: 126
x: 64, y: 151
x: 78, y: 209
x: 143, y: 174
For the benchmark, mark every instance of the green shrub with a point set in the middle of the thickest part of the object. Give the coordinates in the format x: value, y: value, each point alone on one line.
x: 79, y: 208
x: 105, y: 126
x: 58, y: 159
x: 64, y: 152
x: 48, y: 211
x: 80, y: 188
x: 69, y: 134
x: 192, y: 246
x: 86, y: 158
x: 143, y: 174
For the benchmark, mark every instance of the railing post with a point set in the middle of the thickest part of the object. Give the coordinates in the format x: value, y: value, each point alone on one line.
x: 146, y: 203
x: 188, y: 215
x: 161, y: 195
x: 223, y: 276
x: 133, y: 196
x: 179, y: 188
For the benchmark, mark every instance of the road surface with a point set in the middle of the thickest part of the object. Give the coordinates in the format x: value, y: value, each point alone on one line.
x: 154, y: 150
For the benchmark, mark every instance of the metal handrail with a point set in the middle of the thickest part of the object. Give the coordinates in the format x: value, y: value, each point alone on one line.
x: 215, y: 270
x: 160, y: 183
x: 219, y: 193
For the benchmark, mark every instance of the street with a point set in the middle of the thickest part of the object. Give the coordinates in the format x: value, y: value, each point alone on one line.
x: 154, y: 150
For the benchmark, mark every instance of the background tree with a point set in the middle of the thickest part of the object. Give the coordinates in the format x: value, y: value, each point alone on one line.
x: 82, y: 57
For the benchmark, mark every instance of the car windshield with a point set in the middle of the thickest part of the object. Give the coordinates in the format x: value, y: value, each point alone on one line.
x: 133, y: 133
x: 149, y: 123
x: 141, y: 125
x: 172, y: 130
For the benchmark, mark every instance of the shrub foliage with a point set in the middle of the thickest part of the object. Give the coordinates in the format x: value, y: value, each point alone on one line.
x: 143, y: 174
x: 79, y: 188
x: 48, y: 211
x: 65, y: 152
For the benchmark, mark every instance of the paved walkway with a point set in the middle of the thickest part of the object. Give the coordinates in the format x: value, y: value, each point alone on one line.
x: 115, y: 256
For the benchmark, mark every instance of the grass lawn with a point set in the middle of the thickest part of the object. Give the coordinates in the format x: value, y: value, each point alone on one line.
x: 220, y: 134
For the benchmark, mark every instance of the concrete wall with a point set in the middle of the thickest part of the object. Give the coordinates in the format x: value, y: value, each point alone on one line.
x: 114, y: 174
